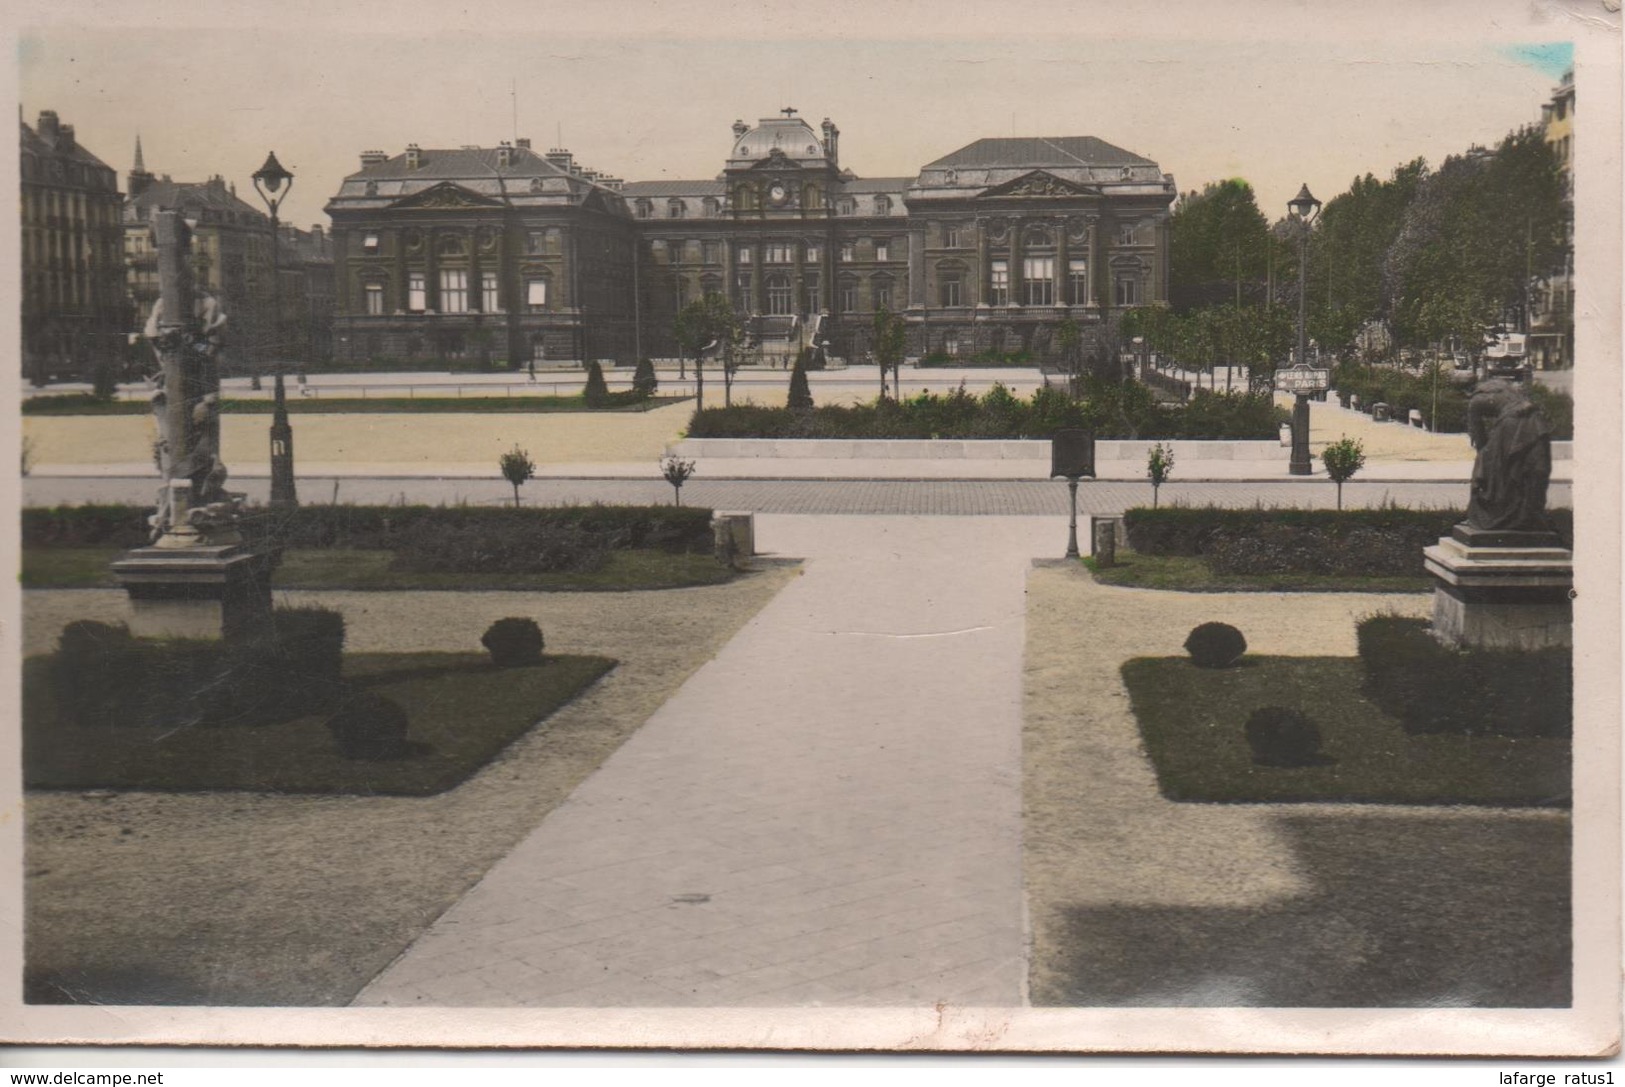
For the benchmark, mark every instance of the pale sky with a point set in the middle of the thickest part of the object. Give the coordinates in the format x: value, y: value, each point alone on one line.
x: 1279, y: 92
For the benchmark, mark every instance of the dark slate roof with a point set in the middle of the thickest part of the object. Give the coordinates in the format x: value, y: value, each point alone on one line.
x: 183, y: 195
x: 1035, y: 151
x: 876, y: 184
x: 674, y: 188
x: 33, y: 141
x: 451, y: 165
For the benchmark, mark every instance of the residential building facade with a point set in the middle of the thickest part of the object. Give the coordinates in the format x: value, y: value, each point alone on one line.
x: 1551, y: 324
x: 985, y: 250
x: 74, y: 312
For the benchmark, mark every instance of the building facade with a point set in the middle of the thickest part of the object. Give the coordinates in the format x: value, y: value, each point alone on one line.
x: 986, y: 250
x: 74, y: 312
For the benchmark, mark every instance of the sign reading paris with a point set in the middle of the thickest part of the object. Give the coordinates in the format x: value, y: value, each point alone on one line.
x: 1302, y: 379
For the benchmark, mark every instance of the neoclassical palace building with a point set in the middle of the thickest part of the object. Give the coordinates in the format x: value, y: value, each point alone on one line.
x: 514, y: 255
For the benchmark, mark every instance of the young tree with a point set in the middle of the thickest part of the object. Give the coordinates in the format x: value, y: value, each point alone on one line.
x: 891, y: 338
x: 596, y: 393
x: 1068, y: 339
x: 1158, y: 467
x: 644, y: 381
x: 1342, y: 459
x: 705, y: 324
x: 516, y: 467
x: 677, y: 472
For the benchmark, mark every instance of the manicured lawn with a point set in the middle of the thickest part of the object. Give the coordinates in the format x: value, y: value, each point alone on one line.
x: 1191, y: 574
x: 84, y: 405
x: 87, y: 567
x: 463, y: 711
x: 1191, y: 721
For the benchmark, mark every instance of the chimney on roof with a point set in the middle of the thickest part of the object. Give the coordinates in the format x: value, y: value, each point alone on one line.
x: 505, y: 155
x: 373, y: 158
x: 48, y: 125
x: 523, y: 141
x: 561, y: 158
x: 740, y: 128
x: 832, y: 142
x: 414, y: 156
x: 614, y: 183
x: 65, y: 135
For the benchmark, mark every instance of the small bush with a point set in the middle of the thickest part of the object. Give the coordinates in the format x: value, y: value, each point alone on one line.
x: 1215, y: 645
x: 310, y: 645
x: 644, y: 381
x: 513, y: 642
x: 370, y: 726
x: 1283, y: 737
x: 800, y: 391
x: 1430, y: 687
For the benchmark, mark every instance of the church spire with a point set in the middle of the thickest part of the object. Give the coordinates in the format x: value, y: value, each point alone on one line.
x: 140, y: 167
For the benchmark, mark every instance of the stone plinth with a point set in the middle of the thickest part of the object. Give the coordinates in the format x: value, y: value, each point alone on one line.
x: 741, y: 529
x: 203, y: 591
x: 1502, y: 590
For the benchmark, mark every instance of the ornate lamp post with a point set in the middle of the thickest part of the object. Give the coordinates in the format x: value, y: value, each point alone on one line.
x: 273, y: 183
x: 1304, y: 208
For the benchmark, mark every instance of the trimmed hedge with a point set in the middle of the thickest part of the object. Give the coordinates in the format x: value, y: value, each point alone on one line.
x: 1375, y: 543
x: 1403, y: 391
x: 105, y: 677
x: 394, y: 528
x: 1110, y: 409
x: 1431, y: 688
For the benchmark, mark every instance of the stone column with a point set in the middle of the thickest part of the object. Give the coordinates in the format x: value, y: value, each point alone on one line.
x: 402, y: 274
x: 728, y: 268
x: 756, y: 305
x: 979, y: 285
x: 476, y: 289
x: 340, y: 240
x: 431, y: 272
x: 1062, y: 278
x: 1016, y: 282
x: 1100, y: 273
x: 916, y: 267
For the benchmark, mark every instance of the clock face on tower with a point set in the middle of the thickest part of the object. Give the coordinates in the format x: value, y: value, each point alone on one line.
x: 777, y: 194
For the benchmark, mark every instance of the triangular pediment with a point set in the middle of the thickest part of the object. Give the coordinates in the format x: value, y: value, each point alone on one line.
x: 1040, y: 183
x: 446, y: 195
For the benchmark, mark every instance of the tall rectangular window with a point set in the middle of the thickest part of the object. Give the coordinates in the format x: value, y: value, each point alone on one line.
x: 950, y: 236
x: 777, y: 253
x: 849, y: 297
x: 883, y: 249
x: 742, y: 254
x: 417, y: 296
x: 453, y: 290
x: 809, y: 288
x: 1128, y: 291
x: 814, y: 254
x: 535, y: 294
x: 712, y: 252
x: 1077, y: 282
x: 948, y: 292
x: 490, y: 301
x: 536, y: 242
x: 1038, y: 281
x: 848, y: 253
x: 779, y: 297
x: 998, y: 283
x: 882, y: 293
x: 374, y: 293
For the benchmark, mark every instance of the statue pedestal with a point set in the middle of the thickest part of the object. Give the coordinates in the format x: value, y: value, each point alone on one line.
x: 1502, y: 590
x: 202, y: 591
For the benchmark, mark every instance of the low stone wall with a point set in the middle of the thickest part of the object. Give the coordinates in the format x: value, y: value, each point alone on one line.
x: 956, y: 449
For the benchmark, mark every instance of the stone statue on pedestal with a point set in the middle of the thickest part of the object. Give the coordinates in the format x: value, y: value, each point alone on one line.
x: 1514, y: 461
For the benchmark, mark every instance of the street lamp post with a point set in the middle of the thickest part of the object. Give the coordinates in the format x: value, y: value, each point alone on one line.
x: 1304, y: 207
x: 274, y: 182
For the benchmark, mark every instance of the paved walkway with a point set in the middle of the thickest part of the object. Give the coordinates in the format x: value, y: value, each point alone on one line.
x: 848, y: 833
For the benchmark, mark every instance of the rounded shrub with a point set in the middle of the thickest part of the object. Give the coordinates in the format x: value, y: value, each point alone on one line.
x: 1280, y: 736
x: 1215, y: 645
x: 513, y: 642
x: 369, y: 726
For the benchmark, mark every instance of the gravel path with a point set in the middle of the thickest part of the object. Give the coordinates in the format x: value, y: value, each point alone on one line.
x: 239, y: 898
x: 1135, y: 900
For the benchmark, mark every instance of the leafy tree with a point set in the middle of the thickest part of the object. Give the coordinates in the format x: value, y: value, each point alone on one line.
x: 677, y: 471
x: 891, y: 339
x: 1218, y: 242
x: 706, y: 324
x: 1342, y: 459
x: 596, y: 393
x: 1158, y: 467
x: 644, y: 381
x: 1068, y: 339
x: 517, y: 467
